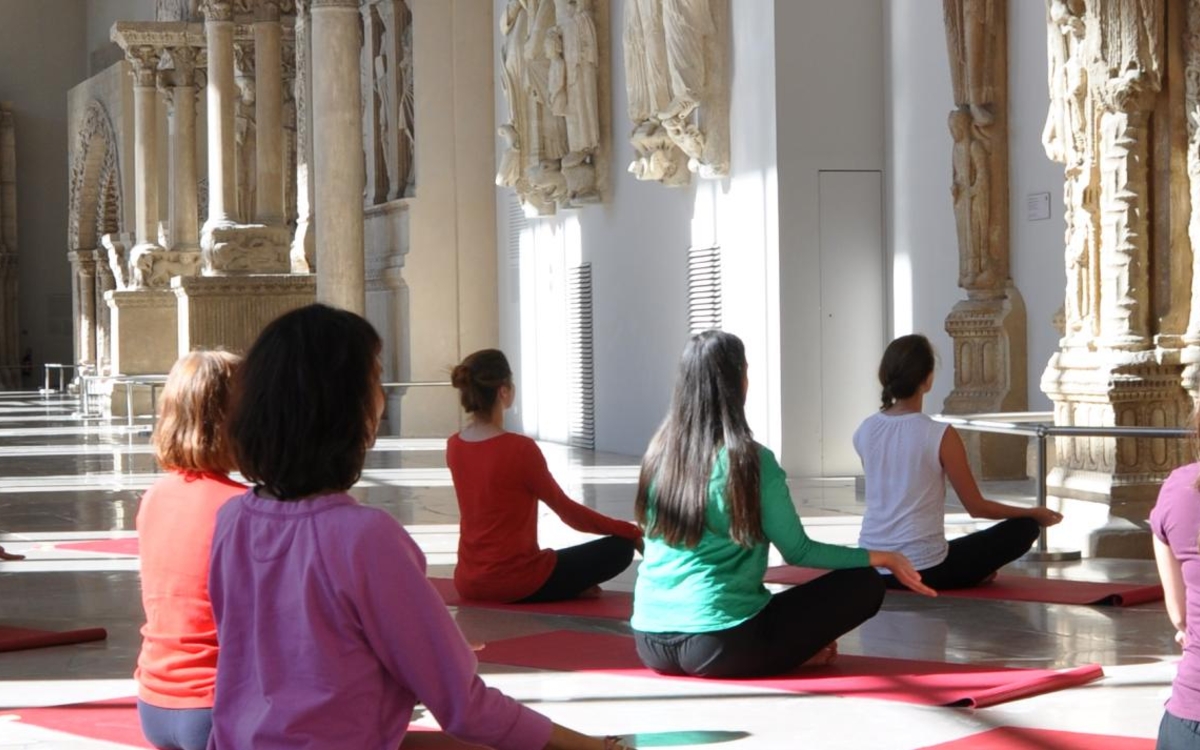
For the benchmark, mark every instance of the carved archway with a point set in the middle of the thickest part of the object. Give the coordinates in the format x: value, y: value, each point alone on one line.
x: 95, y: 182
x: 95, y: 210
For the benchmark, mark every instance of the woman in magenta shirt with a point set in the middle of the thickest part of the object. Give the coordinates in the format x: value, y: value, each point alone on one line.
x: 1175, y: 522
x: 330, y: 633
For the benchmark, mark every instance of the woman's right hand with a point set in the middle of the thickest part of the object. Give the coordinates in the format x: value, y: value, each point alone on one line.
x: 900, y: 567
x: 562, y: 738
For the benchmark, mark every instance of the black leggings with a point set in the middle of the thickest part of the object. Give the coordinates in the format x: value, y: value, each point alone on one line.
x: 790, y: 630
x: 972, y: 558
x: 581, y: 567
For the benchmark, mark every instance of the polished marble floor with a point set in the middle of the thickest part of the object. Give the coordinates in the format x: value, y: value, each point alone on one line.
x: 63, y: 479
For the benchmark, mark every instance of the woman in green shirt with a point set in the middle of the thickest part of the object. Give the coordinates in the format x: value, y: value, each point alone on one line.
x: 711, y: 501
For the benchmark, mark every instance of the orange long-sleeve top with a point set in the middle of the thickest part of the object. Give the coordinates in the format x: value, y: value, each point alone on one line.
x: 499, y: 482
x: 177, y: 666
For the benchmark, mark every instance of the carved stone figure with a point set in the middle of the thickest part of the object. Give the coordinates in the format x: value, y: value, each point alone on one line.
x: 674, y: 65
x: 408, y: 115
x: 551, y: 63
x: 246, y: 138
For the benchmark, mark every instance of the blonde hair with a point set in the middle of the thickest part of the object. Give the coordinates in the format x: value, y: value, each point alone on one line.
x: 190, y: 433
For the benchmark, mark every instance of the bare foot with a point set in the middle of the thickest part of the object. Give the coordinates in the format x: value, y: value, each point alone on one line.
x: 988, y: 579
x: 592, y: 592
x: 824, y: 657
x: 10, y: 555
x: 476, y: 646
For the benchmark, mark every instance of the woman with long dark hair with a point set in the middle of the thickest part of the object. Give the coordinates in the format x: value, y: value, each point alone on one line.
x: 907, y: 458
x: 711, y: 500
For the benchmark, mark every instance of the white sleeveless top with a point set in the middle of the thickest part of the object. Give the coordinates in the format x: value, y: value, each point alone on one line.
x: 906, y: 486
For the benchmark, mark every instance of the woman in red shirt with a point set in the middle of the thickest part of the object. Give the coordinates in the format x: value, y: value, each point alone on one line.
x: 177, y: 667
x: 499, y: 477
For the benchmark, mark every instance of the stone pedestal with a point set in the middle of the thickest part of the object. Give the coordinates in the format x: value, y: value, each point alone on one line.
x: 144, y: 331
x: 1091, y: 388
x: 230, y: 311
x: 989, y: 376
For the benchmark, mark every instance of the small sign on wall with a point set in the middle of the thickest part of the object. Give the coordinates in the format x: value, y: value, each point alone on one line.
x: 1037, y: 206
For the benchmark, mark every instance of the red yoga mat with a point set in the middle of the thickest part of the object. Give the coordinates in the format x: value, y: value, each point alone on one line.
x: 613, y: 605
x: 18, y: 639
x: 116, y: 721
x: 1017, y: 589
x: 113, y: 720
x: 925, y: 682
x: 124, y: 546
x: 1018, y: 738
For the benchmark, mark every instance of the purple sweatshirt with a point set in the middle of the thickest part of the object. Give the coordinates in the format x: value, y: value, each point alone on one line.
x: 329, y: 634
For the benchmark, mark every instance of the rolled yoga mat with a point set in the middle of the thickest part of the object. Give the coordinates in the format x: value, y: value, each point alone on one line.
x: 18, y: 639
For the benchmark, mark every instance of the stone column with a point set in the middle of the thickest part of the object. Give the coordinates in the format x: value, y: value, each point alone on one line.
x: 337, y: 141
x: 83, y: 298
x: 144, y: 60
x: 222, y: 94
x: 181, y: 118
x: 303, y: 253
x: 988, y: 327
x: 268, y: 111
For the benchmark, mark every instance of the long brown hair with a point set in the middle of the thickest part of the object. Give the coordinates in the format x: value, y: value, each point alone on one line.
x: 479, y: 379
x: 190, y: 432
x: 905, y: 365
x: 708, y: 412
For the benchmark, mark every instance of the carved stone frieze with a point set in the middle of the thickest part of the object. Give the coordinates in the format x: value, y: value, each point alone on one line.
x: 554, y: 76
x: 678, y: 85
x: 243, y: 249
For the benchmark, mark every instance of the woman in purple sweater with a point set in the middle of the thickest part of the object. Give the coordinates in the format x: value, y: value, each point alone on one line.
x: 1175, y: 522
x: 329, y: 631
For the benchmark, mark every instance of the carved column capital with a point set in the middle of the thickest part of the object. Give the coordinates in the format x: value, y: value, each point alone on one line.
x: 216, y: 10
x: 144, y: 60
x: 184, y: 61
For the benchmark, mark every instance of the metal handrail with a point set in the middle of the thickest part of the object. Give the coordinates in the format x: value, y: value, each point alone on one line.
x: 1031, y: 424
x: 418, y: 384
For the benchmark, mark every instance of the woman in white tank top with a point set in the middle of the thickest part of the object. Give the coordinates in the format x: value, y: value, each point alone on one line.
x: 907, y: 458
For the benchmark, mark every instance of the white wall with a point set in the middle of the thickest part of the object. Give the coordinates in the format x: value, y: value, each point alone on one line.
x: 830, y: 117
x: 41, y: 57
x: 637, y: 243
x: 101, y: 15
x: 925, y: 254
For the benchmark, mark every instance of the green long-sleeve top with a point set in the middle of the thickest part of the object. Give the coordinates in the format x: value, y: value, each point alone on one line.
x: 718, y: 583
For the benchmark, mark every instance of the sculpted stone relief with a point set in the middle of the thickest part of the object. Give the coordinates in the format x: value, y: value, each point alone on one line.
x: 94, y: 164
x: 678, y: 90
x: 552, y: 63
x: 388, y: 116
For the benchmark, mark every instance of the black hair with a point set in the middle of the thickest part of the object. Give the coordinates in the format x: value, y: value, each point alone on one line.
x: 305, y: 400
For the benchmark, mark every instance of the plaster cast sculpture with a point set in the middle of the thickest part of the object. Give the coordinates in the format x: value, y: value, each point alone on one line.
x: 678, y: 91
x: 552, y: 77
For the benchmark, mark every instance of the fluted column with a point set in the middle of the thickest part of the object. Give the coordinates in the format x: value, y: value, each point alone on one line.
x: 337, y: 141
x: 304, y: 244
x: 268, y: 111
x: 181, y: 119
x: 144, y: 60
x: 221, y: 95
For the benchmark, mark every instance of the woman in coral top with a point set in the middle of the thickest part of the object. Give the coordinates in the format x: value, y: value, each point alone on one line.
x: 499, y: 477
x: 177, y: 667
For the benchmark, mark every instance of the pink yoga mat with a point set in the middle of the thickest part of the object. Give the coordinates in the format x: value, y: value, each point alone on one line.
x: 925, y: 682
x: 1017, y: 589
x: 18, y: 639
x: 124, y: 546
x: 1018, y: 738
x: 614, y: 605
x: 116, y: 721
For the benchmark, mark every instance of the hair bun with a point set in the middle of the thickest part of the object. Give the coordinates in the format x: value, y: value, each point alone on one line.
x: 460, y: 377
